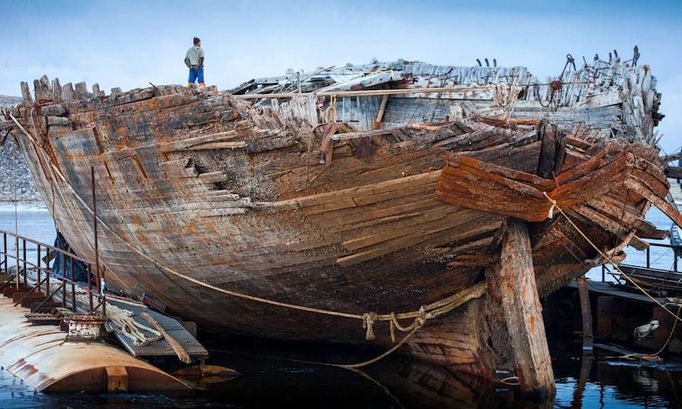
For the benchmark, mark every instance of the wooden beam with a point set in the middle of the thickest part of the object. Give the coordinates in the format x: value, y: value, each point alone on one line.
x: 586, y: 313
x: 671, y: 157
x: 26, y: 93
x: 668, y: 209
x: 81, y: 90
x: 68, y: 94
x: 456, y: 92
x: 174, y: 344
x: 512, y: 281
x: 380, y: 114
x: 117, y: 379
x: 551, y: 151
x: 56, y: 91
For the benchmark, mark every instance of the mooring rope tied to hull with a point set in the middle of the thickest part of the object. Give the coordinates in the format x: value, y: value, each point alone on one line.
x: 419, y: 317
x: 609, y: 259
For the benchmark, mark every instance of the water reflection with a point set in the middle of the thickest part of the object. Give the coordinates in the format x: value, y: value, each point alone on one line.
x: 610, y: 383
x: 397, y: 382
x: 401, y: 382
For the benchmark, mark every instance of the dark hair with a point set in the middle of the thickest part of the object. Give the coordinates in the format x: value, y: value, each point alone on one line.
x: 197, y: 40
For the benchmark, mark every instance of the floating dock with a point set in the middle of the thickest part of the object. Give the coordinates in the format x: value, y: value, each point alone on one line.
x: 50, y: 319
x: 42, y: 357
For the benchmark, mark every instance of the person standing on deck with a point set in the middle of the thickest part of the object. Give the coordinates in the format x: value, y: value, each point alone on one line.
x: 194, y: 59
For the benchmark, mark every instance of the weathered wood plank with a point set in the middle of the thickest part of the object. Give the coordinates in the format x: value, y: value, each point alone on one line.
x: 551, y: 152
x: 380, y: 114
x: 81, y: 90
x: 673, y: 172
x: 68, y: 93
x: 586, y: 314
x: 117, y: 379
x: 512, y: 282
x: 26, y: 93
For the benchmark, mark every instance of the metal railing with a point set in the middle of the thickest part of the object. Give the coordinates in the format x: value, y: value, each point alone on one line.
x: 20, y: 258
x: 649, y: 271
x: 675, y: 254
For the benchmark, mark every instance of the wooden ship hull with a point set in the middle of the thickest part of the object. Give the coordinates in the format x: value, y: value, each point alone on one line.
x: 357, y: 202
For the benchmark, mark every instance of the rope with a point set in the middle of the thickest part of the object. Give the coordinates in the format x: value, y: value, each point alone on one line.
x: 511, y: 380
x: 123, y: 320
x: 609, y: 259
x: 385, y: 354
x: 670, y: 336
x: 424, y: 313
x: 655, y: 355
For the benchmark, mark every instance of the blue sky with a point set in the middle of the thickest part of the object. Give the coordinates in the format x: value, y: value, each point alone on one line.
x: 128, y: 44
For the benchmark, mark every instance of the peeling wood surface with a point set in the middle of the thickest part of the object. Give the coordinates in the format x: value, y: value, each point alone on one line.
x: 513, y: 289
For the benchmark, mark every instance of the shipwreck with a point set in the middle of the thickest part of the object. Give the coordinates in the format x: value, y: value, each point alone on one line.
x: 405, y: 204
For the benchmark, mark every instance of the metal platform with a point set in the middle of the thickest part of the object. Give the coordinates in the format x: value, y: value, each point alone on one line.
x: 161, y: 347
x: 617, y: 291
x: 39, y: 283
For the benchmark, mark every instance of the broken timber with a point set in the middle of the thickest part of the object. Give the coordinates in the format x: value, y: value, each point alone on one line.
x: 512, y: 283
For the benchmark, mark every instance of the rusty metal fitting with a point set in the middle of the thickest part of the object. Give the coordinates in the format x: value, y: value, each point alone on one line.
x: 84, y: 327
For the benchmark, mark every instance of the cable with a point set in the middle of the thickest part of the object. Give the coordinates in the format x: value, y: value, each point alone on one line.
x: 607, y: 258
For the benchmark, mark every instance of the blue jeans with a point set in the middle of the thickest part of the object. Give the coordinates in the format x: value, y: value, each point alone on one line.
x: 196, y: 75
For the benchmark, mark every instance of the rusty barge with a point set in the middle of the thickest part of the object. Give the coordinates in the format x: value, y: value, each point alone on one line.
x: 403, y: 203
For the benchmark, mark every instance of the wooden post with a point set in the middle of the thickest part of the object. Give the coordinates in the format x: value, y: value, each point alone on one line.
x: 513, y: 282
x: 26, y: 93
x: 117, y: 379
x: 586, y: 313
x: 380, y: 114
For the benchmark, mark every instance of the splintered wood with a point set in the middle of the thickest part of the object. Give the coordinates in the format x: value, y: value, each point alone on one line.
x: 512, y: 283
x: 472, y: 183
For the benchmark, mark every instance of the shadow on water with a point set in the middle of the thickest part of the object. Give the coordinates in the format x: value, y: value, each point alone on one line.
x: 269, y: 380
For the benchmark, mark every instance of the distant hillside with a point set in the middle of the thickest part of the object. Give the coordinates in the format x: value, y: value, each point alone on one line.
x: 12, y: 163
x: 8, y: 101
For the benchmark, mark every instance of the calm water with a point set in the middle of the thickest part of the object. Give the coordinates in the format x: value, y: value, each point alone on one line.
x: 32, y: 223
x: 396, y: 382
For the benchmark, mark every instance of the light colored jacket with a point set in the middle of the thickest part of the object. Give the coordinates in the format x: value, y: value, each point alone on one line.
x: 195, y: 56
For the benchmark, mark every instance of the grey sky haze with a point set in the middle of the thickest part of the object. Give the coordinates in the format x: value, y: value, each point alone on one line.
x: 131, y: 43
